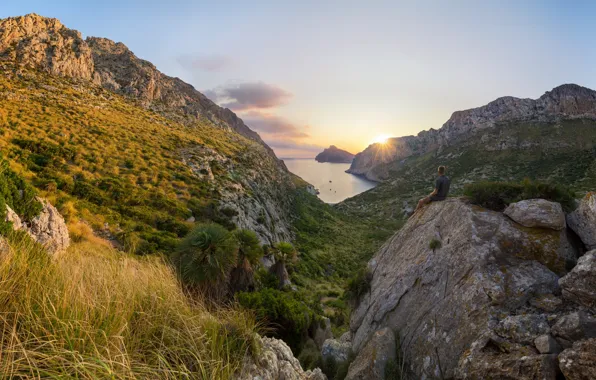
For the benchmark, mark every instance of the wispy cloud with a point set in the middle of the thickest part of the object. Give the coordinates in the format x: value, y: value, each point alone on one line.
x: 249, y: 96
x: 205, y: 62
x: 269, y: 124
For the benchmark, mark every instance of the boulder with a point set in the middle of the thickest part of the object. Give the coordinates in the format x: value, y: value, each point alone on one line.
x: 275, y: 361
x: 574, y: 326
x: 546, y: 344
x: 373, y: 358
x: 12, y: 217
x: 338, y: 349
x: 546, y: 302
x: 523, y: 328
x: 583, y: 220
x: 441, y: 301
x: 537, y: 213
x: 513, y: 366
x: 579, y: 285
x: 323, y: 333
x: 579, y: 362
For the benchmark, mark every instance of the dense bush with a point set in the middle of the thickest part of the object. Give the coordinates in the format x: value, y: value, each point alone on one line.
x: 310, y: 356
x: 285, y: 312
x: 17, y: 194
x: 206, y: 255
x: 359, y: 284
x: 498, y: 195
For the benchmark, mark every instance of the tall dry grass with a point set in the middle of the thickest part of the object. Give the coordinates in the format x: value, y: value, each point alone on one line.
x: 95, y: 313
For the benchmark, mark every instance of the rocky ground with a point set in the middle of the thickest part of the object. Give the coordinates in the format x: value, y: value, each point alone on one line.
x: 501, y: 296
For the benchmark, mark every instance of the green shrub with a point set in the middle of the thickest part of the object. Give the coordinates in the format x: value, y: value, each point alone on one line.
x: 206, y: 255
x: 284, y: 312
x: 359, y: 284
x: 17, y: 194
x: 310, y: 356
x: 249, y: 253
x: 435, y: 244
x: 498, y: 195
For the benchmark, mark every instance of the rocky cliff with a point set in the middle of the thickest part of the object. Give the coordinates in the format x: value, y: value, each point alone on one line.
x: 489, y: 298
x: 334, y: 154
x: 565, y: 102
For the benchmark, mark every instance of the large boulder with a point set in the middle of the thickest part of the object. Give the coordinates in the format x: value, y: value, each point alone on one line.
x: 577, y: 325
x: 440, y: 301
x: 372, y: 360
x: 337, y: 349
x: 583, y: 220
x: 275, y: 361
x: 579, y: 285
x: 48, y: 228
x: 537, y: 213
x: 579, y: 362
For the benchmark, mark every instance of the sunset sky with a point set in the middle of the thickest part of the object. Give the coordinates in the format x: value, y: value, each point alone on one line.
x: 308, y: 74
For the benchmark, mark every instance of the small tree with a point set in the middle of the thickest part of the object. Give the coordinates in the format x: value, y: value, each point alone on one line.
x: 249, y: 253
x: 205, y: 257
x: 285, y: 254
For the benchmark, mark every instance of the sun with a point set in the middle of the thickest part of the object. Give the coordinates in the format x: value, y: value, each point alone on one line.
x: 381, y: 139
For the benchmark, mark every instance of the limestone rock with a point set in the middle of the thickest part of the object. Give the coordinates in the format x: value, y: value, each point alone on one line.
x: 338, y: 349
x: 574, y: 326
x: 513, y: 366
x: 579, y: 362
x: 12, y: 217
x: 579, y: 285
x: 583, y: 220
x: 323, y: 333
x: 275, y: 361
x: 537, y: 213
x: 441, y: 301
x: 49, y: 229
x: 546, y: 344
x: 546, y: 302
x: 373, y: 358
x: 523, y: 328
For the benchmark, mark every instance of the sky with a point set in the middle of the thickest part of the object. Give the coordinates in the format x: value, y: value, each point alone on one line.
x: 308, y: 74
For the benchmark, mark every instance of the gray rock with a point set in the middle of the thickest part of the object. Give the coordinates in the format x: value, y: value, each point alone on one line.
x: 537, y: 213
x: 373, y: 358
x: 336, y: 349
x: 513, y: 366
x: 574, y: 326
x: 546, y: 302
x: 579, y: 285
x: 12, y: 217
x: 275, y: 362
x: 322, y: 333
x: 583, y: 220
x: 441, y: 302
x: 579, y: 362
x: 546, y: 344
x: 523, y: 328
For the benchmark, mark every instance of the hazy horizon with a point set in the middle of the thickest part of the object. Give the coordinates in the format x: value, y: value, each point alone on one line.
x: 312, y: 74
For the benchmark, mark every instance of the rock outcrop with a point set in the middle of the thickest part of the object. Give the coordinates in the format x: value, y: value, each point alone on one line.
x: 568, y: 101
x: 48, y: 228
x: 337, y: 349
x: 485, y: 305
x: 374, y: 356
x: 335, y: 155
x: 579, y: 362
x: 583, y: 220
x: 275, y: 361
x: 580, y: 284
x: 537, y: 213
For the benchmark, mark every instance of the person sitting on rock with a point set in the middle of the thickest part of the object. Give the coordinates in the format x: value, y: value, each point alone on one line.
x: 441, y: 189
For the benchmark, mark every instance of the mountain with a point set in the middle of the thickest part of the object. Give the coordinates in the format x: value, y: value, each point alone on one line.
x: 144, y: 154
x: 335, y: 155
x: 551, y: 139
x: 566, y: 102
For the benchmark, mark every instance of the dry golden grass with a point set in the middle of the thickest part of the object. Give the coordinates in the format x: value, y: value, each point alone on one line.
x: 96, y: 313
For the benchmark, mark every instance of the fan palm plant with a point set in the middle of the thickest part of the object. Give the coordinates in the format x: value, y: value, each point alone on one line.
x: 285, y: 254
x: 249, y: 254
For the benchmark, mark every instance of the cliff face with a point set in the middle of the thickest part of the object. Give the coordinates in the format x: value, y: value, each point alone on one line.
x: 335, y: 155
x: 483, y: 302
x: 568, y: 101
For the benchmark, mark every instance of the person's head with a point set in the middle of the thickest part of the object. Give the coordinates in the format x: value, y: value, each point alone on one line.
x: 441, y: 170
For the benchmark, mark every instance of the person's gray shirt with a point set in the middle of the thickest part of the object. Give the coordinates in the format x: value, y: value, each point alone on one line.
x: 442, y: 186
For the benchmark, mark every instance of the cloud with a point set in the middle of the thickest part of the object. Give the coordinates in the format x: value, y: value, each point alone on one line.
x: 268, y: 124
x: 204, y: 62
x: 249, y: 96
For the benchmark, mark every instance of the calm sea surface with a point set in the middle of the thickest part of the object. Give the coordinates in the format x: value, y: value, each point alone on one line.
x: 332, y: 180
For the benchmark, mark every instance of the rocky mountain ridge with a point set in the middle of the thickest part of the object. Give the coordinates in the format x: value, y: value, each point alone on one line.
x: 45, y: 43
x: 565, y: 102
x: 335, y: 155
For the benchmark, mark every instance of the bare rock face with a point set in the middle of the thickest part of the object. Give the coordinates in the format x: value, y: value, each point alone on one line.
x: 45, y: 43
x: 537, y: 213
x: 48, y: 228
x: 579, y: 362
x: 579, y: 285
x: 564, y: 102
x: 471, y: 306
x: 338, y: 349
x: 276, y: 362
x: 372, y: 360
x: 583, y: 220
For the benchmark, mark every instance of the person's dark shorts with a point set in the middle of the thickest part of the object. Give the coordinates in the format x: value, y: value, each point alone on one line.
x: 434, y: 198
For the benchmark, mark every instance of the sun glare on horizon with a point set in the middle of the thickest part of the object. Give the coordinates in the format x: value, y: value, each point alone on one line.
x: 381, y: 139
